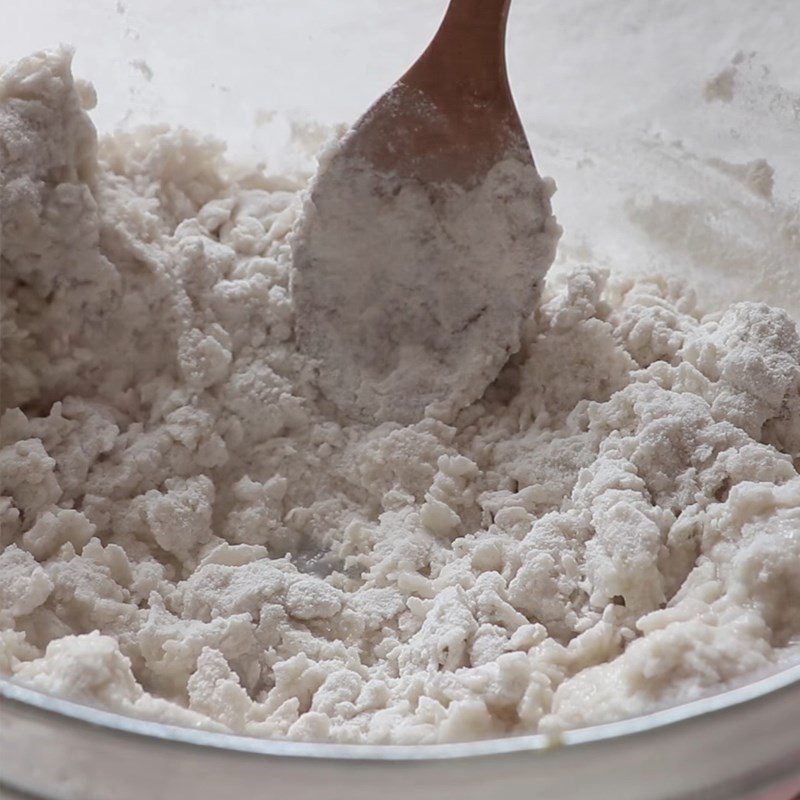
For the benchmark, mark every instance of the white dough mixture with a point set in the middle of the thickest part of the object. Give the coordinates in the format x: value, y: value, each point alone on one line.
x: 191, y: 533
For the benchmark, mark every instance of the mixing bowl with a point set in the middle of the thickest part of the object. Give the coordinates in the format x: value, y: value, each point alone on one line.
x: 672, y: 130
x: 740, y: 744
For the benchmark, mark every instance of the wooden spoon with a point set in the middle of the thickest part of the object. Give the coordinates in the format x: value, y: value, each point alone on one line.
x: 397, y: 330
x: 451, y: 117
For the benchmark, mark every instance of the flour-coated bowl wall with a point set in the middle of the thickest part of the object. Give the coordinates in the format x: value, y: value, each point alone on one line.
x: 638, y: 110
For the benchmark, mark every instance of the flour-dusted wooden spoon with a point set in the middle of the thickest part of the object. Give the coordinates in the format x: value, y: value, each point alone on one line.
x: 425, y: 235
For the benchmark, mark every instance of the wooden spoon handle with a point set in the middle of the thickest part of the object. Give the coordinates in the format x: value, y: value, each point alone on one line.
x: 451, y: 117
x: 485, y: 16
x: 468, y: 50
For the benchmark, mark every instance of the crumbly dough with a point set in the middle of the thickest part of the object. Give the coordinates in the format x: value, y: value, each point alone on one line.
x: 190, y: 533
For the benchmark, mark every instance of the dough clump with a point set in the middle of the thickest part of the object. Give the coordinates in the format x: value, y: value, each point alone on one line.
x: 190, y: 532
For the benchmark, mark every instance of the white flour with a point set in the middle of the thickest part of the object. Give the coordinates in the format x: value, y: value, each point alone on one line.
x: 613, y: 527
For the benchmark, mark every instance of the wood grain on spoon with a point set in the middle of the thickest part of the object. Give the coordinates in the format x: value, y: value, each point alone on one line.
x: 451, y: 117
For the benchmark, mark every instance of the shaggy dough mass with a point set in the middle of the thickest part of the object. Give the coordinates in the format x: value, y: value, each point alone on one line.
x: 191, y: 534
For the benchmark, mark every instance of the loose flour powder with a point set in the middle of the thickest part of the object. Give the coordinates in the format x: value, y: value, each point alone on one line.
x: 191, y: 533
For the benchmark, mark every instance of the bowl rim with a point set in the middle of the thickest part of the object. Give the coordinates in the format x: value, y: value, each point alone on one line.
x: 57, y: 709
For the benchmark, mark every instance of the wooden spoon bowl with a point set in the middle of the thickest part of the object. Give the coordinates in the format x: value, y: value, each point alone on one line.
x: 425, y: 234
